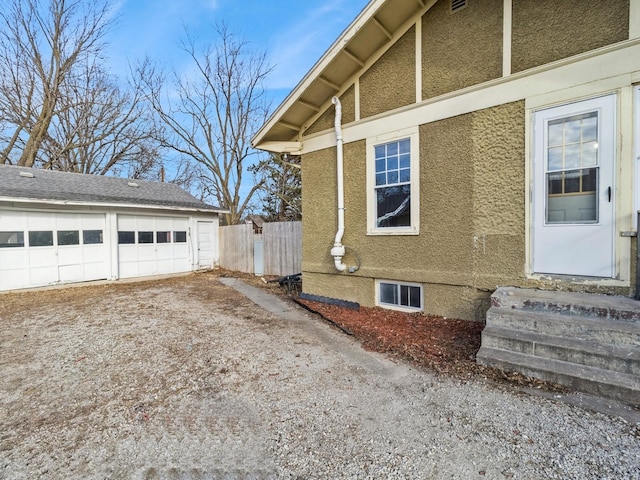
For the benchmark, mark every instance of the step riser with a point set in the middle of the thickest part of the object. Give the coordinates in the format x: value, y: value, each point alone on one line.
x: 581, y: 357
x: 578, y: 383
x: 573, y: 328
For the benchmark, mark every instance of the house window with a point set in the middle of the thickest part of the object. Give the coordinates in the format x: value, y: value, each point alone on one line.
x: 41, y: 238
x: 11, y: 239
x: 91, y: 237
x: 400, y: 296
x: 126, y: 237
x: 145, y: 237
x: 180, y: 237
x: 392, y: 181
x: 68, y: 237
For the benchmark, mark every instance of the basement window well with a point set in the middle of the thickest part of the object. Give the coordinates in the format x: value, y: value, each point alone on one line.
x: 399, y: 296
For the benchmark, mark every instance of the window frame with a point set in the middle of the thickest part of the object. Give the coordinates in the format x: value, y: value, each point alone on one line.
x: 414, y: 204
x: 399, y: 307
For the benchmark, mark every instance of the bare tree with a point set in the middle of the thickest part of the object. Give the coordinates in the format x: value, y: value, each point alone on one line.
x: 101, y: 128
x: 41, y: 45
x: 281, y: 193
x: 212, y: 115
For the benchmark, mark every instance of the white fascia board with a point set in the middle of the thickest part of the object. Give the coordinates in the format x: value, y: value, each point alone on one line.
x: 598, y: 71
x: 364, y: 16
x: 112, y: 206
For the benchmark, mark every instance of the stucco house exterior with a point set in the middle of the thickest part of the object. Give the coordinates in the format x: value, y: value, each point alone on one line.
x: 450, y: 147
x: 58, y: 227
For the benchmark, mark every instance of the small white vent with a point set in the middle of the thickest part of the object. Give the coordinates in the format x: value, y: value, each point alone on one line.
x: 133, y: 184
x: 27, y: 174
x: 457, y: 5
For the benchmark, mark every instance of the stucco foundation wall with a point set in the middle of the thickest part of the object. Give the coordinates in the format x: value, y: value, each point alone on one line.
x: 548, y: 30
x: 326, y: 120
x: 351, y: 288
x: 463, y: 48
x: 390, y: 83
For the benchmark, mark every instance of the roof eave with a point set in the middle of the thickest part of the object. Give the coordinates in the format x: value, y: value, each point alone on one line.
x: 111, y: 205
x: 364, y: 16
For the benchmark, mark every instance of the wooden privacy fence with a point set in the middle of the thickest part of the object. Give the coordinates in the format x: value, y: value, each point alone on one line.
x: 277, y: 251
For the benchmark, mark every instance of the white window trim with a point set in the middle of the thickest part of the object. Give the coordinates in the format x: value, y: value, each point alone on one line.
x: 412, y: 135
x: 400, y: 308
x: 636, y: 156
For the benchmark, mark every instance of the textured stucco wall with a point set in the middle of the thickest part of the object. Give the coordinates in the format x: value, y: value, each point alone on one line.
x: 463, y: 48
x: 472, y: 219
x: 549, y: 30
x: 443, y: 256
x: 499, y: 195
x: 391, y: 82
x: 326, y: 120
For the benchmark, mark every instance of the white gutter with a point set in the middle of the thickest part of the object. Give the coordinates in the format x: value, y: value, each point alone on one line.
x: 338, y: 250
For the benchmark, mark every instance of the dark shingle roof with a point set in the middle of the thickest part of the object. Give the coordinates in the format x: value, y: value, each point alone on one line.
x: 49, y: 185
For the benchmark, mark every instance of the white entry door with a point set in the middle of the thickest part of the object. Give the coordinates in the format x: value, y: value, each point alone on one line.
x: 573, y: 196
x: 205, y: 245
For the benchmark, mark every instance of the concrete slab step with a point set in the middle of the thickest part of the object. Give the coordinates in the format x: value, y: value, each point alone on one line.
x: 602, y: 330
x: 608, y: 307
x: 618, y: 358
x: 618, y: 386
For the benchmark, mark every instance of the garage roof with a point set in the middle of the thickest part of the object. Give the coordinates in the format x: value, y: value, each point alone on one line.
x: 20, y: 183
x: 379, y: 23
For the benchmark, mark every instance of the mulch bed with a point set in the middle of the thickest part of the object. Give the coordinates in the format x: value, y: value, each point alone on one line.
x: 443, y: 345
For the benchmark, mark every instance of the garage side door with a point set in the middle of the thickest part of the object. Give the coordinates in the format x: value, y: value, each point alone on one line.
x: 152, y: 245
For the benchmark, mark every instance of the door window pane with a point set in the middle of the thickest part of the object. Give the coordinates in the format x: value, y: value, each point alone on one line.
x: 126, y: 237
x: 180, y: 237
x: 573, y: 199
x: 68, y: 237
x: 91, y: 237
x: 163, y: 237
x: 41, y: 238
x: 571, y: 188
x: 11, y: 239
x: 145, y: 237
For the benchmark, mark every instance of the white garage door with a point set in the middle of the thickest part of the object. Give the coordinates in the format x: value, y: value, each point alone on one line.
x: 152, y: 245
x: 42, y: 248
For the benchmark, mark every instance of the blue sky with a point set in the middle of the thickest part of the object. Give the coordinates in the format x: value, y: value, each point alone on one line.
x: 294, y: 33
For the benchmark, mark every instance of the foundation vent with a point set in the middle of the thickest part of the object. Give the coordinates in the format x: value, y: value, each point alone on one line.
x: 457, y: 5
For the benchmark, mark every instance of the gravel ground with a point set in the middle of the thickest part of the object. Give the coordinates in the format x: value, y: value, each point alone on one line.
x: 185, y: 378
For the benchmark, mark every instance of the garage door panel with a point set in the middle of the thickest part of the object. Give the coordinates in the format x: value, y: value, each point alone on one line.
x: 40, y: 221
x: 43, y: 275
x: 71, y: 273
x: 13, y: 258
x: 68, y: 221
x: 13, y: 220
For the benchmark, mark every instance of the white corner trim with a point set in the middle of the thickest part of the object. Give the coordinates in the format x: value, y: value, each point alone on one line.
x: 507, y: 25
x: 634, y: 19
x: 419, y: 60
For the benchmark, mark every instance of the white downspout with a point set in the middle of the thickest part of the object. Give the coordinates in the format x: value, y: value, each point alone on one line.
x: 338, y: 250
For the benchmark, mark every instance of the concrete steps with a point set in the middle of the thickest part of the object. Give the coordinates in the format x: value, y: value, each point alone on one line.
x: 590, y: 343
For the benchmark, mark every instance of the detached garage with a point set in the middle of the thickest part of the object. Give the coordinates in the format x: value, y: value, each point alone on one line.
x: 58, y: 227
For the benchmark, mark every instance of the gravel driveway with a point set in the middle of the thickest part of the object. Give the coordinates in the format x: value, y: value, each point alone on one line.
x: 185, y: 378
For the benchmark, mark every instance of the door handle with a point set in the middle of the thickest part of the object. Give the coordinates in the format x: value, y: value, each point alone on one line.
x: 609, y: 193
